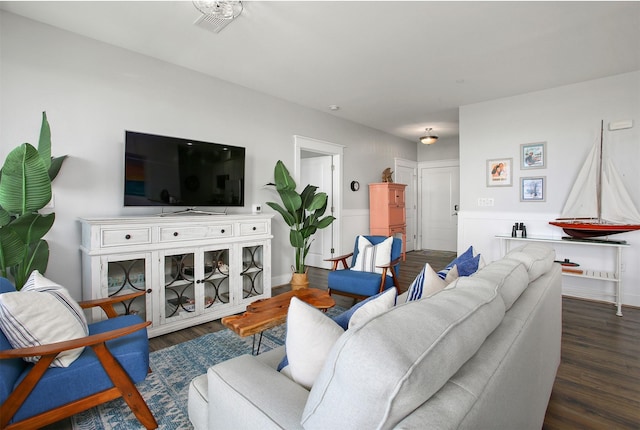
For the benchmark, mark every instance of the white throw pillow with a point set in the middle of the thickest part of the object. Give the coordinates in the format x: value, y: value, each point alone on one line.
x: 426, y: 284
x: 41, y: 313
x: 370, y: 256
x: 310, y: 336
x: 384, y: 301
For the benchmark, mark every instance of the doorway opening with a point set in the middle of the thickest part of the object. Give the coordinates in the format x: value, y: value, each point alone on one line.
x: 319, y: 163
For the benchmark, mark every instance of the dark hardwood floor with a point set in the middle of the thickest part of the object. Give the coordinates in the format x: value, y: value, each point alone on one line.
x: 598, y: 382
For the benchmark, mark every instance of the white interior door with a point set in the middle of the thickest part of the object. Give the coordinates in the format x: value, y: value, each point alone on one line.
x: 440, y: 197
x: 405, y: 173
x: 317, y: 171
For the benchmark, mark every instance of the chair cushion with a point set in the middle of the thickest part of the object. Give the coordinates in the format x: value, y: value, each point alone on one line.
x: 354, y: 282
x: 43, y: 312
x: 425, y: 284
x: 85, y: 375
x: 370, y: 256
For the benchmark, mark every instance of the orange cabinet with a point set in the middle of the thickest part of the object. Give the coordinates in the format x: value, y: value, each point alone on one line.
x: 387, y: 213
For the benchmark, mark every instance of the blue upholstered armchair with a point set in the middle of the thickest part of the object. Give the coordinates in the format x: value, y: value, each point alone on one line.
x: 115, y: 357
x: 361, y: 283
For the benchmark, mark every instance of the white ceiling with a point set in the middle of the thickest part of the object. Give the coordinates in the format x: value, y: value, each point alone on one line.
x: 394, y: 66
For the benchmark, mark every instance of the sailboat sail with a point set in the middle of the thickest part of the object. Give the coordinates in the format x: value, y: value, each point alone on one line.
x: 598, y: 204
x: 583, y: 198
x: 617, y: 206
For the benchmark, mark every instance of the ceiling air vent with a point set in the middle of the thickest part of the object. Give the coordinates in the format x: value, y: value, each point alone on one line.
x: 212, y: 23
x: 216, y: 15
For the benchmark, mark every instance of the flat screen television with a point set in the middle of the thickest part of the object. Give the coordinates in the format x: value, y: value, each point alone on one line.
x: 169, y: 171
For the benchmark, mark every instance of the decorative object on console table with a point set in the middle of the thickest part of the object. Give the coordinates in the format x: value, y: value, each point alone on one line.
x: 387, y: 212
x: 386, y: 175
x: 303, y: 214
x: 25, y: 188
x: 598, y: 204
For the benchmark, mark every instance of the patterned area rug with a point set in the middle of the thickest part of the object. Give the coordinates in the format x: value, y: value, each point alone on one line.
x: 167, y: 387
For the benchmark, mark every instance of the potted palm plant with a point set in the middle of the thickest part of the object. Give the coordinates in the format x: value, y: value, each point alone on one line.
x: 25, y: 188
x: 303, y: 213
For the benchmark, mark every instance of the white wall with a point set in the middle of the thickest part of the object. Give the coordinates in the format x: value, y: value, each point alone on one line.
x: 92, y: 92
x: 568, y: 119
x: 443, y: 149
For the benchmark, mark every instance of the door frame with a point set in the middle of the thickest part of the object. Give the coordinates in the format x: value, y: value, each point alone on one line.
x: 401, y: 162
x: 430, y: 165
x: 336, y: 151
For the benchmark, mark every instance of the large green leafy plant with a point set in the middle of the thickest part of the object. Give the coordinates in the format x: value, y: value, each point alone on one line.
x: 25, y: 188
x: 302, y: 212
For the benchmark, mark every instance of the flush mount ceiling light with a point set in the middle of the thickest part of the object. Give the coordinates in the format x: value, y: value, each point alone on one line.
x: 219, y: 9
x: 429, y: 138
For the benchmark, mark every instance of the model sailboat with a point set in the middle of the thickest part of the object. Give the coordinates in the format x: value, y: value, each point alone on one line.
x: 599, y: 204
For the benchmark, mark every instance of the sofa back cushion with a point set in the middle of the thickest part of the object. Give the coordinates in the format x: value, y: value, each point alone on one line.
x: 536, y: 257
x: 378, y: 373
x: 510, y: 277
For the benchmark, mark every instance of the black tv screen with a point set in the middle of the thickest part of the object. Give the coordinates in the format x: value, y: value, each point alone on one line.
x: 169, y: 171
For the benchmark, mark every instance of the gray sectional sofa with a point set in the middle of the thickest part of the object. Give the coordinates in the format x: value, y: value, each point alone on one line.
x: 481, y: 354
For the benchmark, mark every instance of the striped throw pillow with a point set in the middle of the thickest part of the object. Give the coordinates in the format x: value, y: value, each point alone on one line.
x: 43, y: 312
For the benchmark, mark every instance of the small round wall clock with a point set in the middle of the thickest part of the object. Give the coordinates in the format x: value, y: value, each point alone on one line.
x: 355, y: 185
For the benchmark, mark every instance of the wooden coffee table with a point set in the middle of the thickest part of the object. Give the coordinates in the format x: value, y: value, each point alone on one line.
x: 267, y: 313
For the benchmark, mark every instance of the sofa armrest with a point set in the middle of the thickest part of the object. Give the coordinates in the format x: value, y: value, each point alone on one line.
x: 247, y: 393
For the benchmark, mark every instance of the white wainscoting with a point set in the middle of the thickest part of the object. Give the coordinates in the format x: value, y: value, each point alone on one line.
x: 354, y: 222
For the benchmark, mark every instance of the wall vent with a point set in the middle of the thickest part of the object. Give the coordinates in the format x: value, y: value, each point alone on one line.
x: 212, y: 23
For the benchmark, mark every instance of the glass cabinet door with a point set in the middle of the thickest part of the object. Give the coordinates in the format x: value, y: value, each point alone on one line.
x: 195, y: 282
x: 179, y: 298
x: 216, y: 278
x: 252, y: 271
x: 126, y: 277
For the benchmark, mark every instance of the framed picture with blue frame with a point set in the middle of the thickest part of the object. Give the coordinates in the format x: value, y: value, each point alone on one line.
x: 533, y: 189
x: 532, y: 155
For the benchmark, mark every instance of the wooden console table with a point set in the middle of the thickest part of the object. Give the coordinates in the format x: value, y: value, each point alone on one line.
x: 588, y: 274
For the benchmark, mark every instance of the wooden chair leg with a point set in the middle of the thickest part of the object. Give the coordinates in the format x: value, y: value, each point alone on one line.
x: 22, y: 391
x: 123, y: 382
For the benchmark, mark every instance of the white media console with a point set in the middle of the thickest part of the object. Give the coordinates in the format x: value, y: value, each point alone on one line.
x: 194, y: 268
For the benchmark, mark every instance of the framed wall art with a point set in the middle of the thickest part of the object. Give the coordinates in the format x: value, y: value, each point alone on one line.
x: 533, y: 189
x: 499, y: 172
x: 533, y: 155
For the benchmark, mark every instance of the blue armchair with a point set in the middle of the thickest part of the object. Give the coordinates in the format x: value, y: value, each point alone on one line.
x: 116, y: 356
x: 360, y: 284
